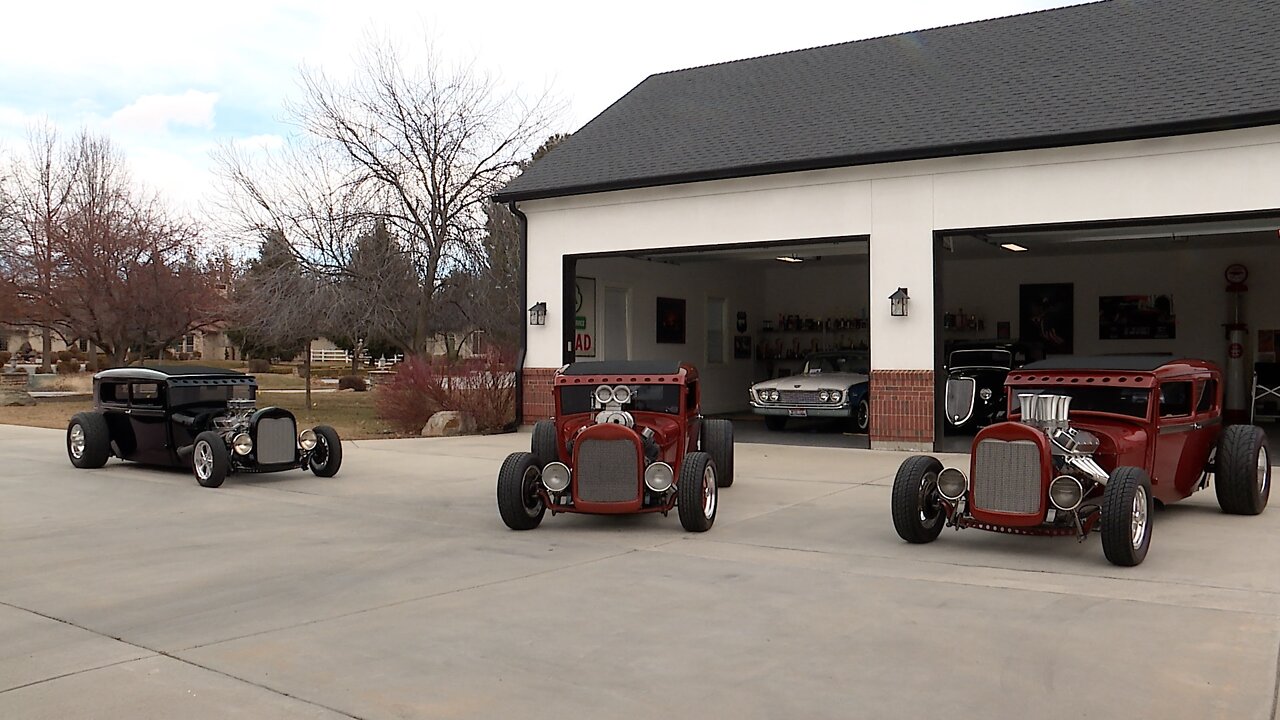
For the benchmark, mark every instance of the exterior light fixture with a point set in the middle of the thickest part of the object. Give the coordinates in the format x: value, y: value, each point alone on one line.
x: 538, y: 314
x: 898, y: 302
x: 788, y: 259
x: 1013, y: 247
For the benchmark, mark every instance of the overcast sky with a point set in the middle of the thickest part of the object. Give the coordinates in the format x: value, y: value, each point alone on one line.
x: 169, y: 80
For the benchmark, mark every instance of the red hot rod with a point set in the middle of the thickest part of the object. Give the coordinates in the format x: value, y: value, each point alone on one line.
x: 1091, y: 444
x: 627, y: 437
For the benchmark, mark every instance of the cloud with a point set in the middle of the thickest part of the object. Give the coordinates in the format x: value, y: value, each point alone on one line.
x: 156, y: 113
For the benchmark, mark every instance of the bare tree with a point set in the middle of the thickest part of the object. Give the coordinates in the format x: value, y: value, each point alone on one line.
x: 419, y: 148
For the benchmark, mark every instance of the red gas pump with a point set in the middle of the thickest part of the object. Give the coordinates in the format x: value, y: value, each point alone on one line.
x: 1239, y: 385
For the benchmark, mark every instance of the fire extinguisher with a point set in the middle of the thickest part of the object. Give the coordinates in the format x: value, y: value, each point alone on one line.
x: 1239, y: 382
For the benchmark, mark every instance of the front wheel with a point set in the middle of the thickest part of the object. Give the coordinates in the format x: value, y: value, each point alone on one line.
x: 717, y: 440
x: 210, y: 460
x: 698, y: 492
x: 519, y: 503
x: 326, y: 456
x: 861, y: 419
x: 1126, y: 516
x: 545, y: 442
x: 1242, y: 479
x: 917, y: 507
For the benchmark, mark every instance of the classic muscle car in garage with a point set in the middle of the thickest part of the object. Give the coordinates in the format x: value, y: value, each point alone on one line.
x: 833, y: 384
x: 975, y: 394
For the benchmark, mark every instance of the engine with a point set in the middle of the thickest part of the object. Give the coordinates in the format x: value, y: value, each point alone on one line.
x: 1073, y: 448
x: 235, y: 419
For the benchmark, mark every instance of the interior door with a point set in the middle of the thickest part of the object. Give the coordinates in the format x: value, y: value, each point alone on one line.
x: 616, y: 336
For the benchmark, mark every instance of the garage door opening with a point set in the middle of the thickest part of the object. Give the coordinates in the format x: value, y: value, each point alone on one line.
x: 743, y: 314
x: 1011, y: 295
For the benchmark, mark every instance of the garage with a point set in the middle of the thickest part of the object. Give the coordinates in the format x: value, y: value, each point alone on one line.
x: 1104, y: 177
x: 742, y: 313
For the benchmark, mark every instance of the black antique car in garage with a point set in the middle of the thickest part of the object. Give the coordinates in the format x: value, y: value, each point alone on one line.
x: 199, y: 417
x: 976, y: 371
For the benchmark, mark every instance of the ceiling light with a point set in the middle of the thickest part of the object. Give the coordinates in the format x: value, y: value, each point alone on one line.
x: 788, y: 259
x: 1013, y: 247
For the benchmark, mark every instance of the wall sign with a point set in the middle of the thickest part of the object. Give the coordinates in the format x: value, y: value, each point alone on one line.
x: 1136, y: 317
x: 670, y: 317
x: 584, y: 318
x: 1047, y: 316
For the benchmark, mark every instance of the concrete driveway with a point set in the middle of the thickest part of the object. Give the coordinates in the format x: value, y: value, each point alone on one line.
x: 395, y: 591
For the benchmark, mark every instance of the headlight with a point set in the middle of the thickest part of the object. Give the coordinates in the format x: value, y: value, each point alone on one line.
x: 658, y: 477
x: 1066, y: 492
x: 604, y: 394
x: 555, y: 476
x: 307, y: 439
x: 952, y: 484
x: 823, y: 396
x: 836, y: 396
x: 773, y: 396
x: 242, y: 444
x: 985, y: 393
x: 622, y: 394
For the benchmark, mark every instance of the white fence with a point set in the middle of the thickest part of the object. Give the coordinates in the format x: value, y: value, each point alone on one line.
x: 343, y: 357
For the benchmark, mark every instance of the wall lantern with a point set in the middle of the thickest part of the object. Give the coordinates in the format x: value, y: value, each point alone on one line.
x: 898, y: 302
x: 538, y: 314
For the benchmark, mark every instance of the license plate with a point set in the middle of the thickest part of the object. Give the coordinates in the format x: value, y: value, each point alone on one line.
x: 798, y: 412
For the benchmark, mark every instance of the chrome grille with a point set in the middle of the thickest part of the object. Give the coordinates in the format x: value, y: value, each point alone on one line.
x: 799, y: 397
x: 276, y: 441
x: 1006, y: 476
x: 960, y: 399
x: 606, y: 471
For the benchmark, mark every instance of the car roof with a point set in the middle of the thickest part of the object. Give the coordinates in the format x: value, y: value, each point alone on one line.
x: 623, y: 367
x: 177, y: 374
x: 1134, y: 363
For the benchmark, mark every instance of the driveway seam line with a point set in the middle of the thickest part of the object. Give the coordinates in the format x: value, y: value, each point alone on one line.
x: 161, y: 653
x: 81, y: 671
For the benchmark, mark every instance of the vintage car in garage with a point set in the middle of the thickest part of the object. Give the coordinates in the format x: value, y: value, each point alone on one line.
x: 1091, y: 444
x: 627, y: 437
x: 203, y: 418
x: 976, y: 371
x: 832, y: 384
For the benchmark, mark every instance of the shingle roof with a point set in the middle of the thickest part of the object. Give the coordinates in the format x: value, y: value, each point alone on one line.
x: 1112, y: 70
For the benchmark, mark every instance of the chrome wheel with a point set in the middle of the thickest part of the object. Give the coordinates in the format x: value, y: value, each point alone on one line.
x: 1138, y: 524
x: 75, y: 443
x: 1264, y: 470
x: 529, y: 484
x: 203, y: 461
x: 709, y: 492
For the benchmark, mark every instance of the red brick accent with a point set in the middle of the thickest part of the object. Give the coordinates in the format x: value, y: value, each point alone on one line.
x: 539, y: 404
x: 902, y: 405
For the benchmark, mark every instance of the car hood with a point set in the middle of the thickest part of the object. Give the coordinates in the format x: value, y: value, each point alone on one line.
x: 812, y: 382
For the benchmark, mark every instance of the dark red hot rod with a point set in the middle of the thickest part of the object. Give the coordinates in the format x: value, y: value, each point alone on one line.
x: 1091, y: 444
x: 627, y: 437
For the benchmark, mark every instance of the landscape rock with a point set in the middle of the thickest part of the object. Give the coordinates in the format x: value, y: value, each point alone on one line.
x: 10, y: 397
x: 449, y: 423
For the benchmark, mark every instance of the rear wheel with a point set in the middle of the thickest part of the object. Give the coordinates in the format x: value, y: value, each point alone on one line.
x: 1242, y: 478
x: 698, y: 492
x: 326, y: 457
x: 1126, y: 516
x: 210, y: 460
x: 917, y: 507
x: 775, y: 422
x: 519, y: 504
x: 544, y: 442
x: 88, y: 440
x: 717, y: 440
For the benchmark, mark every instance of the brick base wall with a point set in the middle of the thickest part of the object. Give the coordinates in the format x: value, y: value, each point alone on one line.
x: 539, y: 404
x: 902, y: 406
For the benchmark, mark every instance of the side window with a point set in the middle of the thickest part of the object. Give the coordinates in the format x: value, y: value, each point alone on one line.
x: 1175, y: 399
x: 691, y: 396
x: 146, y: 394
x: 1208, y: 394
x: 113, y: 393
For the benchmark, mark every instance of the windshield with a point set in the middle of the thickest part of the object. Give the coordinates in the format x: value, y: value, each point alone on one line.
x: 981, y: 358
x: 1117, y: 401
x: 644, y: 398
x: 850, y: 362
x: 209, y: 394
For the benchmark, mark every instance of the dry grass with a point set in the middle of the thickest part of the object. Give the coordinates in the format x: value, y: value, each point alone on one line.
x: 352, y: 414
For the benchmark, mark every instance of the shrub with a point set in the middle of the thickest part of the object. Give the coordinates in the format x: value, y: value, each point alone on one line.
x: 5, y: 357
x: 184, y: 356
x: 259, y: 365
x: 352, y: 382
x: 64, y: 356
x: 483, y: 388
x: 68, y: 366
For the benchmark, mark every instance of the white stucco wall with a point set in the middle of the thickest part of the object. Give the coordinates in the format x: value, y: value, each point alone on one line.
x: 899, y: 205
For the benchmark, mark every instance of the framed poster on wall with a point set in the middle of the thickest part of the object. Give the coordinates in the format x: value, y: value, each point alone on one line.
x: 670, y: 321
x: 584, y: 318
x: 1136, y: 317
x: 1047, y: 315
